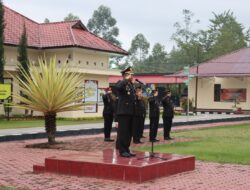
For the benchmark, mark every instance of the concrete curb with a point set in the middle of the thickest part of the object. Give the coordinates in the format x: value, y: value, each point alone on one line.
x: 95, y: 131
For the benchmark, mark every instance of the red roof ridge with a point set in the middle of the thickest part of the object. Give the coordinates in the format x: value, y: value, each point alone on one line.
x: 72, y: 35
x: 5, y: 7
x: 108, y: 42
x: 60, y: 22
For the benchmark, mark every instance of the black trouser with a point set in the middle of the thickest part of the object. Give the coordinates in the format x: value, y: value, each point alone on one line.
x: 138, y: 125
x: 125, y: 124
x: 108, y: 120
x: 117, y: 142
x: 167, y: 124
x: 142, y: 126
x: 154, y: 122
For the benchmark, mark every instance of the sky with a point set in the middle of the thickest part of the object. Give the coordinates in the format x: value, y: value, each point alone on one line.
x: 153, y: 18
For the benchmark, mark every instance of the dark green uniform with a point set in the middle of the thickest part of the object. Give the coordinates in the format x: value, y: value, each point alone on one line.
x: 168, y: 114
x: 154, y: 116
x: 138, y: 121
x: 108, y: 114
x: 125, y: 114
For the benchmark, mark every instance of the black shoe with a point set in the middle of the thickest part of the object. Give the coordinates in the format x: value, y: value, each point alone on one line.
x: 168, y: 138
x: 109, y: 140
x: 132, y: 154
x: 138, y: 142
x: 155, y: 140
x: 125, y: 154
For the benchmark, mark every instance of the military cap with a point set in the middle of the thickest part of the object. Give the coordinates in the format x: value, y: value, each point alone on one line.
x: 128, y: 70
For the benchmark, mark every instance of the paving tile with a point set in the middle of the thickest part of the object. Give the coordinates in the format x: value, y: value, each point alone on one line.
x: 16, y: 166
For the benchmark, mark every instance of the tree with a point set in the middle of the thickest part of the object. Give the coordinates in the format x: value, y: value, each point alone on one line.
x: 23, y: 55
x: 138, y: 51
x: 70, y: 17
x: 23, y: 59
x: 157, y: 62
x: 2, y: 59
x: 158, y: 51
x: 139, y: 47
x: 104, y: 25
x: 178, y: 59
x: 184, y: 32
x: 187, y: 41
x: 225, y: 35
x: 50, y: 89
x: 46, y: 20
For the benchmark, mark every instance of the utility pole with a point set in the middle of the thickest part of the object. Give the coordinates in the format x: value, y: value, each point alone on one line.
x: 196, y: 86
x: 196, y: 78
x: 189, y: 78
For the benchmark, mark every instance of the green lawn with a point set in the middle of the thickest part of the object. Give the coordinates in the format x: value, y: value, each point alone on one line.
x: 40, y: 123
x: 229, y: 144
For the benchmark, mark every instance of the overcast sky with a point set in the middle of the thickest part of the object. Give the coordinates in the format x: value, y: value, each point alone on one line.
x: 153, y: 18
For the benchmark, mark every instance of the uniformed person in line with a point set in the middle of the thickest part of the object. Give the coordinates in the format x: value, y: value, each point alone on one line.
x: 168, y: 114
x: 108, y: 113
x: 145, y: 102
x: 154, y: 115
x: 125, y: 111
x: 138, y: 121
x: 116, y: 124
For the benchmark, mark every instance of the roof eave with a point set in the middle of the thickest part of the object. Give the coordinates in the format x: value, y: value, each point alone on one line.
x: 70, y: 46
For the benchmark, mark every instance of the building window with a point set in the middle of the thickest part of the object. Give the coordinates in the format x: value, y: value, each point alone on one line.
x: 94, y: 63
x: 87, y: 63
x: 217, y: 91
x: 59, y: 61
x: 67, y: 61
x: 79, y: 62
x: 102, y: 64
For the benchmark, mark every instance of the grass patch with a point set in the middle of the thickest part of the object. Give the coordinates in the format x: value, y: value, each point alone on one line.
x: 228, y: 144
x: 14, y: 124
x: 8, y: 188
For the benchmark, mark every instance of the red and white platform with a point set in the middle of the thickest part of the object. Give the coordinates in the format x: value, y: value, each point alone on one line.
x: 107, y: 164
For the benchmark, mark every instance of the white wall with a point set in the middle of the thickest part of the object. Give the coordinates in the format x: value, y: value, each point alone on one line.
x: 96, y: 69
x: 205, y: 98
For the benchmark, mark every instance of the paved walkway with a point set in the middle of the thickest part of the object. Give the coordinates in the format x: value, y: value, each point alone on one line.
x: 177, y: 119
x: 16, y: 170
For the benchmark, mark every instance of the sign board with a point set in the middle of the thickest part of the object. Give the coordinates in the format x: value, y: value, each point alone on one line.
x: 186, y: 70
x: 5, y: 91
x: 91, y: 91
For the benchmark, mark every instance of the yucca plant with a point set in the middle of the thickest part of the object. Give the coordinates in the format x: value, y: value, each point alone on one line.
x: 49, y: 89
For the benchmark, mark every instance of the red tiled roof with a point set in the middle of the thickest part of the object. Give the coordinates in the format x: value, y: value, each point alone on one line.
x: 236, y: 63
x: 53, y: 35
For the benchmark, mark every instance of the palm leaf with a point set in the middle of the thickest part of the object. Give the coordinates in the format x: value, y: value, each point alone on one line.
x: 49, y: 88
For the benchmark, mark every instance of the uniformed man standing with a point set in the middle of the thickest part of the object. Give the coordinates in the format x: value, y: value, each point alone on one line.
x: 138, y: 121
x: 108, y: 113
x: 154, y: 115
x: 125, y: 111
x: 168, y: 114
